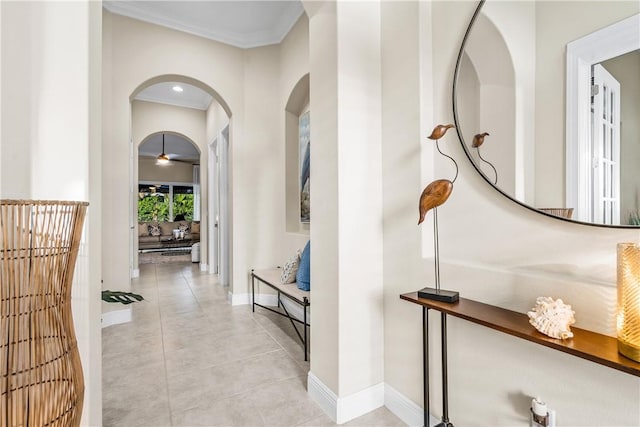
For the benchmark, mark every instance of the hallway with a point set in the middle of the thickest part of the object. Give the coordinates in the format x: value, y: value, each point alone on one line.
x: 188, y: 358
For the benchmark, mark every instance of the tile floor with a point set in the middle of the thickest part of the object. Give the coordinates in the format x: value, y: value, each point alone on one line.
x: 188, y: 358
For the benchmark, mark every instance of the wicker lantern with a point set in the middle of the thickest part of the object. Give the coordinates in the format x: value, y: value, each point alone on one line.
x: 628, y: 319
x: 42, y: 382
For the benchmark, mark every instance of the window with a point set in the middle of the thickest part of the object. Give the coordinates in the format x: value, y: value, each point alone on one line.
x: 183, y: 202
x: 165, y: 202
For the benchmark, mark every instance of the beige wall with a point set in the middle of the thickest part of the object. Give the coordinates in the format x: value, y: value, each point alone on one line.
x: 50, y: 138
x: 346, y: 199
x: 324, y: 263
x: 493, y: 251
x: 294, y: 93
x: 149, y: 118
x: 407, y: 106
x: 216, y: 120
x: 149, y: 170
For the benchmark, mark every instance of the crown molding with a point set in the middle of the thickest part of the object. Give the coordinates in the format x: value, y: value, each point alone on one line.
x: 274, y: 35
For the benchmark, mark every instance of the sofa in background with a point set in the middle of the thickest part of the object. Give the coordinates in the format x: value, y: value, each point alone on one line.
x: 155, y: 235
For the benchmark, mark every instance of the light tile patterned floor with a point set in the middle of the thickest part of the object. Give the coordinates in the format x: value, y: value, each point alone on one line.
x: 188, y: 358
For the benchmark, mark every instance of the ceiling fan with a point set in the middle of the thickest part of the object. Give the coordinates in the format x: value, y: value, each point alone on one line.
x: 164, y: 159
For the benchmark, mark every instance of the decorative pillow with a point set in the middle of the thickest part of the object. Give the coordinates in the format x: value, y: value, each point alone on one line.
x: 303, y: 276
x: 166, y: 228
x: 143, y: 229
x: 183, y: 226
x: 154, y: 230
x: 195, y: 227
x: 290, y: 269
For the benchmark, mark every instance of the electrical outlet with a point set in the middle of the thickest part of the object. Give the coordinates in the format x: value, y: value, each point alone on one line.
x: 541, y: 415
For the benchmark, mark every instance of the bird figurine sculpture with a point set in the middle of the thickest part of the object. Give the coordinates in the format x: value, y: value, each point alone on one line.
x: 434, y: 195
x: 478, y: 140
x: 437, y: 192
x: 439, y: 131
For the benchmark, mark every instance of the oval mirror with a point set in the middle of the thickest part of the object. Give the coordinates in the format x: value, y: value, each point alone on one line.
x: 546, y: 100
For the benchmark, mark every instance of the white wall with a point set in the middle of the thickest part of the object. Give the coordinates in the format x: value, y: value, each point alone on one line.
x: 50, y: 141
x: 493, y: 251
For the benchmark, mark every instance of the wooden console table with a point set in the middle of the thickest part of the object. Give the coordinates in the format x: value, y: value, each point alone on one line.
x: 597, y: 348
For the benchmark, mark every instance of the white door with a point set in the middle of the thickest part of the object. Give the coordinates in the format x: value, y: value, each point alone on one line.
x: 606, y: 147
x: 224, y: 223
x: 214, y: 203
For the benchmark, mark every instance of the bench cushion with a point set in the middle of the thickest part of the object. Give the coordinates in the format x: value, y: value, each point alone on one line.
x: 272, y: 276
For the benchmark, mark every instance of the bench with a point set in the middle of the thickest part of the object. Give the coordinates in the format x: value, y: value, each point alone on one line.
x: 290, y: 291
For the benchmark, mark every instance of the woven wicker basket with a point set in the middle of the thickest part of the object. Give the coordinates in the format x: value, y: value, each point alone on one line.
x: 42, y: 382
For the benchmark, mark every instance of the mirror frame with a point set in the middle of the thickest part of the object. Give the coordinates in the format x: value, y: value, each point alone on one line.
x: 468, y: 153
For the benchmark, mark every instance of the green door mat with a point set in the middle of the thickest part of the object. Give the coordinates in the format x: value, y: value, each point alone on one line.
x: 121, y: 297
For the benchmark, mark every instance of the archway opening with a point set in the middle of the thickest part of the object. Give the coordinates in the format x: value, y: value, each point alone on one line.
x: 168, y: 202
x: 188, y: 114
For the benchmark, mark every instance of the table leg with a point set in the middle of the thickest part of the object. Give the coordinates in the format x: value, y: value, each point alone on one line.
x: 425, y: 364
x: 445, y: 376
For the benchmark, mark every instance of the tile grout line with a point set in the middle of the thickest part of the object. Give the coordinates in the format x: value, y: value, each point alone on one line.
x: 285, y: 350
x: 164, y: 357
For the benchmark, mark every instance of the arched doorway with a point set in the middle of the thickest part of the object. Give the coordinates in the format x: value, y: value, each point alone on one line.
x: 177, y: 106
x: 168, y: 199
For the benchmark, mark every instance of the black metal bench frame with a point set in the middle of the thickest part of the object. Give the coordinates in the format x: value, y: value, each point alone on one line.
x: 304, y: 303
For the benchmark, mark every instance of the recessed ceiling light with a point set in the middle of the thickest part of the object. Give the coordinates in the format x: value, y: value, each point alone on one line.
x: 177, y: 88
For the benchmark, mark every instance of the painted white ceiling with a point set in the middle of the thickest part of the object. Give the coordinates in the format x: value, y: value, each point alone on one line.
x: 191, y: 96
x: 175, y: 146
x: 241, y: 23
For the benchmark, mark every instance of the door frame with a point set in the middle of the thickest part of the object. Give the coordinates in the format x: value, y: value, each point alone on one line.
x: 214, y: 203
x: 609, y: 42
x: 219, y: 207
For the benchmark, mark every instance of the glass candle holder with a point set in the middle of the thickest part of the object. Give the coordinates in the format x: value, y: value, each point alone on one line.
x: 628, y: 314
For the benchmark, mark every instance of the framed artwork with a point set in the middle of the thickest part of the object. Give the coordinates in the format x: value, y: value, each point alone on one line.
x: 304, y: 136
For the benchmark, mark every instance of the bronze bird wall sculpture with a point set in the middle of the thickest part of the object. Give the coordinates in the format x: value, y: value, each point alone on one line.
x: 437, y: 192
x: 478, y: 140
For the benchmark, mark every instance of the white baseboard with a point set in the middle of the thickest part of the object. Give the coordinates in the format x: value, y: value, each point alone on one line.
x: 323, y: 396
x: 404, y: 408
x: 116, y: 317
x: 204, y: 267
x: 244, y: 299
x: 135, y: 273
x: 343, y: 409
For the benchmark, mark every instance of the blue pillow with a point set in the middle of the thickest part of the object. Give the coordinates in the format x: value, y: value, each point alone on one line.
x: 303, y: 276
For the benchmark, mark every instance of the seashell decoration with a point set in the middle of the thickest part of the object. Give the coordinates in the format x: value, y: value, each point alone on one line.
x: 552, y: 317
